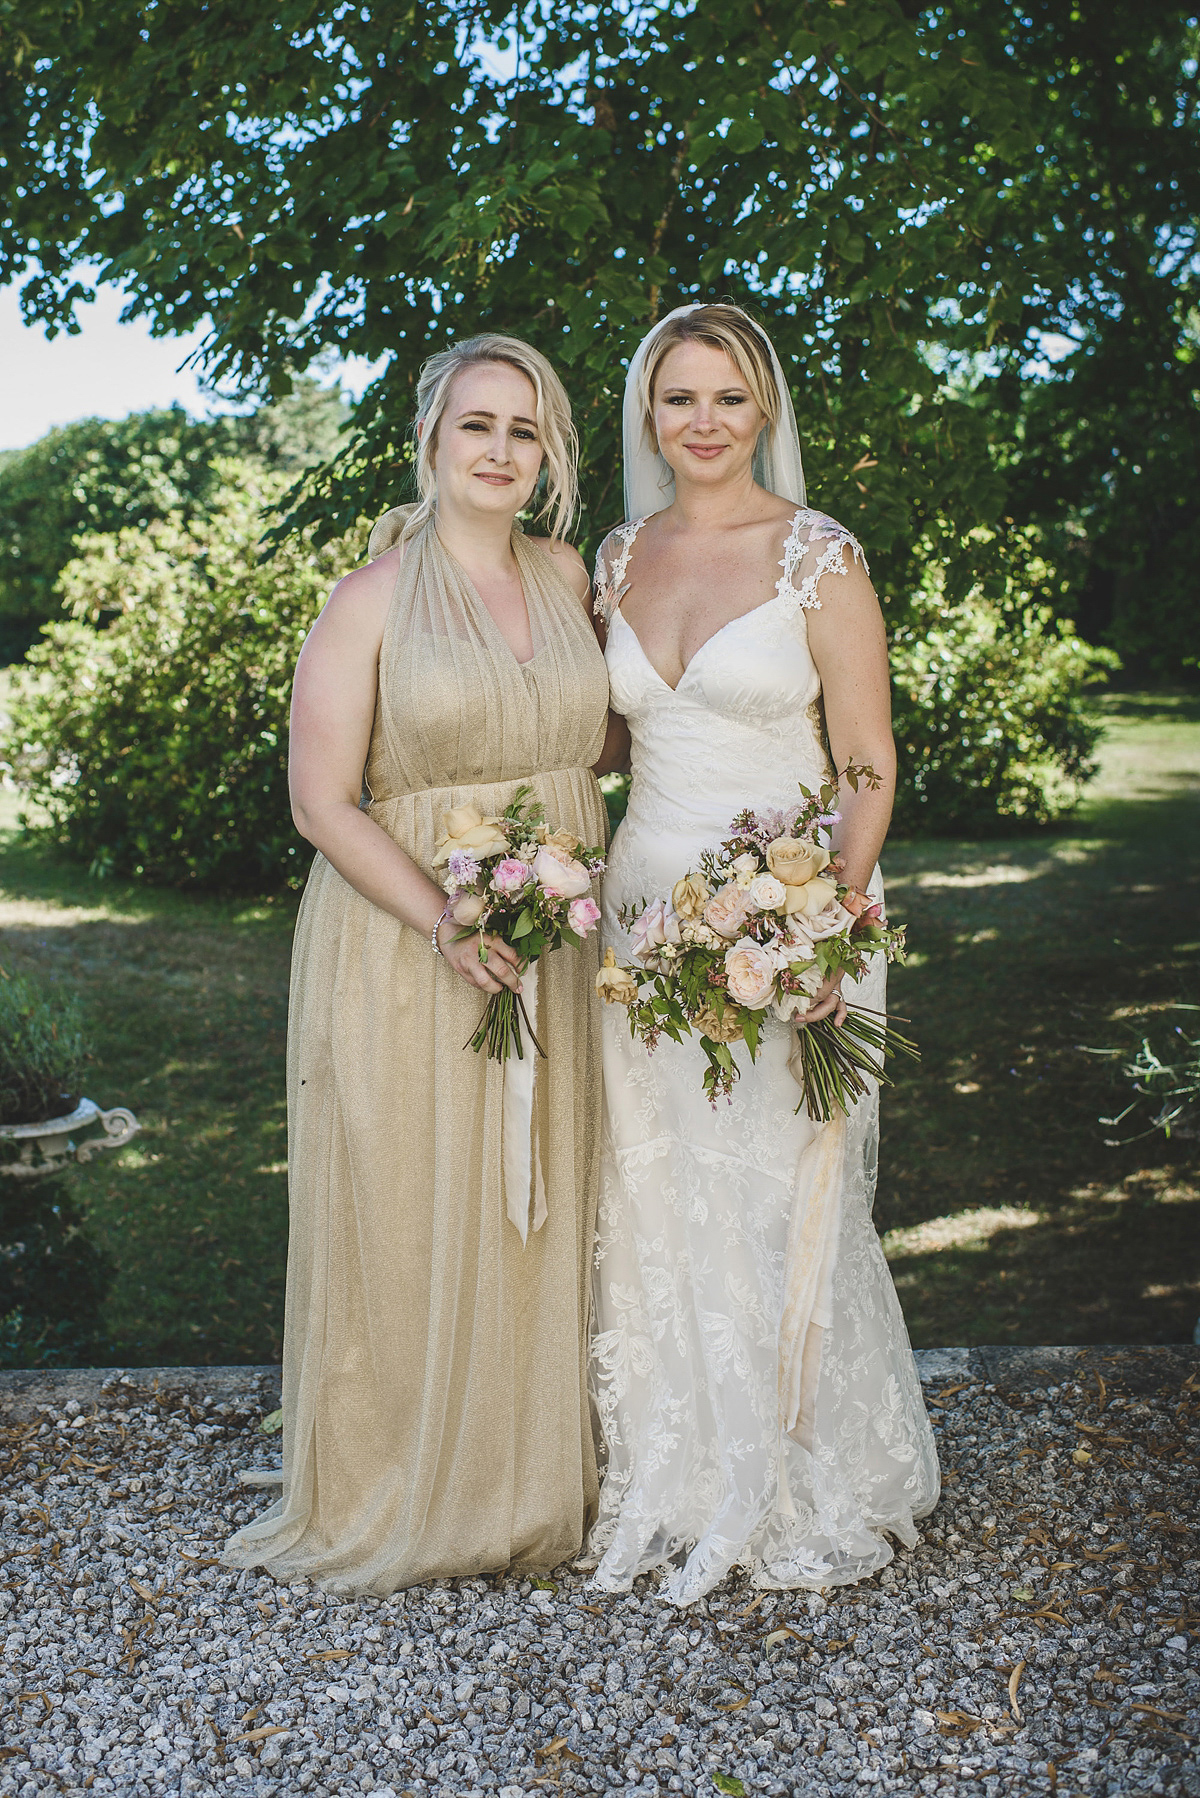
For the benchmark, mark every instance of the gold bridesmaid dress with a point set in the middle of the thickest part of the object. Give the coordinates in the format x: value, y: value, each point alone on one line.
x: 435, y: 1417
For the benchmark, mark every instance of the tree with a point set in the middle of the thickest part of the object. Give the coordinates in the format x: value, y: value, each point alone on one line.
x: 103, y: 475
x: 150, y: 726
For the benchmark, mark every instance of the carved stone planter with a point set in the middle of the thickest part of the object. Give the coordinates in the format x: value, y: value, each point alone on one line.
x: 47, y: 1148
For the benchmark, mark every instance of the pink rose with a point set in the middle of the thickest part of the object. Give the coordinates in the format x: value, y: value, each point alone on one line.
x: 749, y: 975
x: 560, y: 873
x: 726, y: 912
x: 583, y: 915
x: 510, y: 876
x: 656, y: 926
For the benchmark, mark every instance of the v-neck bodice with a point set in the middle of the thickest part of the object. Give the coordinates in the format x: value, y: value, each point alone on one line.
x: 455, y: 708
x: 745, y: 723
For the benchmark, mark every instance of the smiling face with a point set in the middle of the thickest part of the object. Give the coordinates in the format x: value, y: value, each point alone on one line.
x: 706, y: 419
x: 488, y: 453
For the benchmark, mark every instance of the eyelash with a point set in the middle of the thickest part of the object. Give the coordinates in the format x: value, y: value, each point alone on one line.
x: 728, y: 399
x: 476, y: 424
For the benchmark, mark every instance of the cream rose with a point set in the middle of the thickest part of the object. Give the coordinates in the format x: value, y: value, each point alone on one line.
x: 690, y: 895
x: 744, y: 867
x: 749, y: 975
x: 563, y: 839
x: 465, y: 827
x: 809, y: 900
x: 727, y: 1029
x: 726, y: 911
x: 795, y: 862
x: 767, y: 892
x: 655, y: 929
x: 616, y: 986
x: 560, y: 873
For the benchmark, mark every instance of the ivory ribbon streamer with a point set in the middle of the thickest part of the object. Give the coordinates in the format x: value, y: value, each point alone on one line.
x: 524, y: 1186
x: 812, y: 1235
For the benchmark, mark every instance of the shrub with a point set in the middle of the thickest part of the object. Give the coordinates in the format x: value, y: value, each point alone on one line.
x: 992, y: 727
x: 53, y: 1278
x: 156, y: 744
x: 42, y: 1052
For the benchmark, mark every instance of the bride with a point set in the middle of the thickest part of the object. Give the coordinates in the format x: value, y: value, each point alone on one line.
x: 751, y: 1368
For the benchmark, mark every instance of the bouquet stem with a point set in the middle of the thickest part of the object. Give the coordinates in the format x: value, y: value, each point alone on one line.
x: 499, y: 1030
x: 837, y: 1060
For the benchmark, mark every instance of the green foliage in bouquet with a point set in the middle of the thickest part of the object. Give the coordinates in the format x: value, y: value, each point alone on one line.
x: 150, y: 729
x: 42, y: 1052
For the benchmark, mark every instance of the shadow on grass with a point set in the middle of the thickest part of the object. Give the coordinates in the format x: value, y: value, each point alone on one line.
x: 186, y: 1004
x: 1004, y: 1213
x: 1007, y: 1215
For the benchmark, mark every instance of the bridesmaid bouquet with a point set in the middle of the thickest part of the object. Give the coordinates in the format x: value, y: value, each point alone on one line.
x: 755, y: 932
x: 514, y: 877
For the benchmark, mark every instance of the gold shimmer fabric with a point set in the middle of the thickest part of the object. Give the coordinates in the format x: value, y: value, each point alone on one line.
x: 435, y: 1420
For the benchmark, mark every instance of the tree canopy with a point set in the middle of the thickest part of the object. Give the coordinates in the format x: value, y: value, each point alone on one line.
x: 111, y: 475
x: 915, y: 197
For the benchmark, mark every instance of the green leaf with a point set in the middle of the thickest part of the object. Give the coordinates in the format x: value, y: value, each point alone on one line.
x: 725, y: 1782
x: 272, y: 1423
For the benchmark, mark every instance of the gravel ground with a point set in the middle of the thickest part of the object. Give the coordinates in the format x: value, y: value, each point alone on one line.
x: 1044, y: 1637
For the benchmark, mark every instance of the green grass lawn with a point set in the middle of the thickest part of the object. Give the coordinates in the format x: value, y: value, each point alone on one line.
x: 1005, y: 1215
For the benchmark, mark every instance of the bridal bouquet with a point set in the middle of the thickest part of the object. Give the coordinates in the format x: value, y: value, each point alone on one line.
x: 514, y: 877
x: 755, y: 932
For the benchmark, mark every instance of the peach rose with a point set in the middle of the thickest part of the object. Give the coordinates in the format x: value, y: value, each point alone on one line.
x: 468, y: 910
x: 689, y: 896
x: 794, y: 861
x: 560, y: 873
x: 749, y: 975
x: 616, y: 986
x: 726, y: 911
x: 727, y: 1029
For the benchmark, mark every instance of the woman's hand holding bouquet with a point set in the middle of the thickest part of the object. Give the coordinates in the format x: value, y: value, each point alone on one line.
x: 760, y: 930
x: 514, y: 879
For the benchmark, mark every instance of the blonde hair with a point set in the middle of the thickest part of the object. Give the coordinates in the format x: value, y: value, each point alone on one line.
x: 560, y: 446
x: 721, y: 327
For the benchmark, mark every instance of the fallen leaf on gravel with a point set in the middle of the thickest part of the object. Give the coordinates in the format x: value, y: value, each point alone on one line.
x: 330, y: 1654
x: 725, y: 1782
x: 1022, y: 1592
x: 781, y: 1635
x: 1153, y: 1710
x: 30, y: 1697
x: 738, y: 1704
x: 145, y: 1593
x: 272, y: 1423
x: 1080, y: 1457
x: 260, y: 1735
x: 200, y: 1560
x: 752, y: 1606
x: 959, y: 1723
x: 544, y: 1585
x: 1014, y: 1680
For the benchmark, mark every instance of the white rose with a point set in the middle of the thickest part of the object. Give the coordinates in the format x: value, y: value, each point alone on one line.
x: 767, y: 892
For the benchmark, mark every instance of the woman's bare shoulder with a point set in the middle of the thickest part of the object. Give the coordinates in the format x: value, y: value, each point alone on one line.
x: 357, y: 606
x: 567, y: 559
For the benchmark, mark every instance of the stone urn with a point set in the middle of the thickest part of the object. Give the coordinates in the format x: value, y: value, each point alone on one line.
x: 46, y: 1148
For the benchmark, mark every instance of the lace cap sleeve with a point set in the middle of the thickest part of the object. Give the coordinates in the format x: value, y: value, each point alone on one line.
x: 814, y: 548
x: 612, y: 564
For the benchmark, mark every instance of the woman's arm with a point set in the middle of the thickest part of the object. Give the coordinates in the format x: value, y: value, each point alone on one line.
x: 333, y: 710
x: 849, y: 646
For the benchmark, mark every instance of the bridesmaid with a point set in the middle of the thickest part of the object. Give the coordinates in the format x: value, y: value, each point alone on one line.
x: 435, y: 1419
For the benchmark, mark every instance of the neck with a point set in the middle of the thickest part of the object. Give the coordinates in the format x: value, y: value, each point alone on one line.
x: 710, y: 506
x: 477, y: 540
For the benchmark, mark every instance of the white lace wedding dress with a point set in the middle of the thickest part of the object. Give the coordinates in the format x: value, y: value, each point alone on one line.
x: 751, y: 1368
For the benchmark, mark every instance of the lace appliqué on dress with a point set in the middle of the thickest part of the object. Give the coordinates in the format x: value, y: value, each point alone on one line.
x: 610, y: 583
x: 808, y: 530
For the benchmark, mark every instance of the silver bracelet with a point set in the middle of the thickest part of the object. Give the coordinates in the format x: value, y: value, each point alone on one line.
x: 433, y: 935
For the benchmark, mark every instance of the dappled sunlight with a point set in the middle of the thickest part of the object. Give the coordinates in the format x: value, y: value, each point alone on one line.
x: 967, y: 1230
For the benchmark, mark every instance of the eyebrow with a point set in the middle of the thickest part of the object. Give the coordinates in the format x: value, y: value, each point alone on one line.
x: 740, y: 387
x: 478, y: 412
